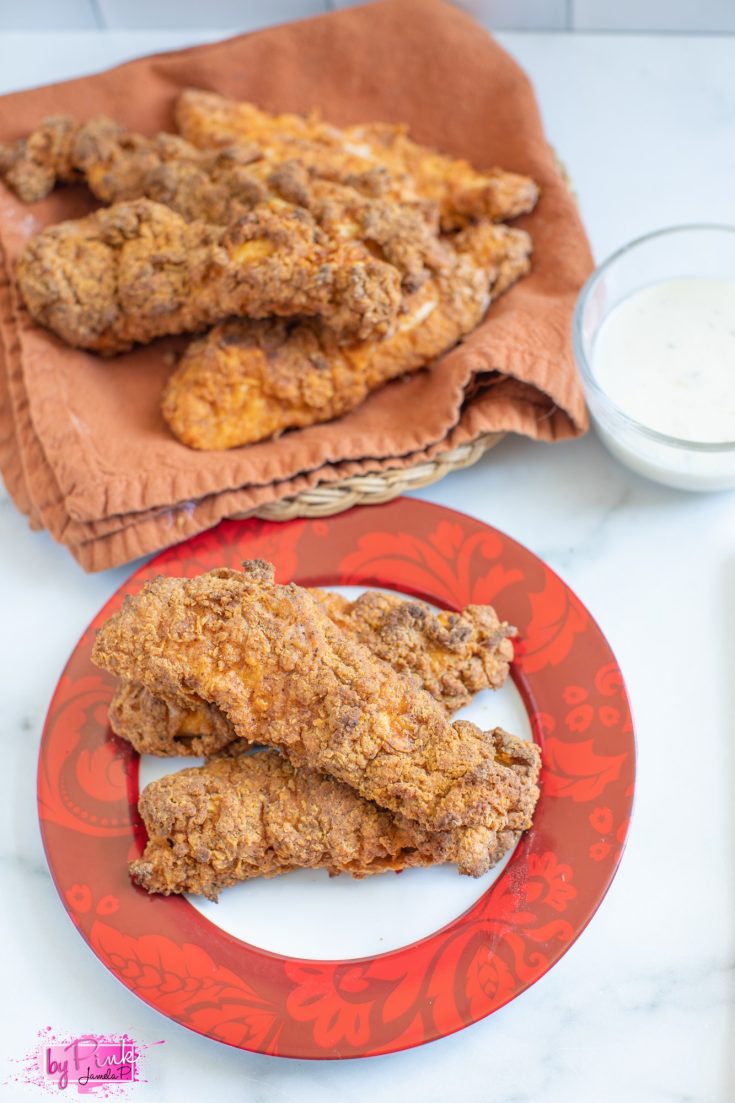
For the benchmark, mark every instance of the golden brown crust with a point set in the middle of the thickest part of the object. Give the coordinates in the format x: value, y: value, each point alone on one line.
x: 137, y: 270
x: 154, y: 725
x: 31, y: 166
x: 378, y: 156
x: 246, y: 381
x: 118, y: 164
x: 321, y: 222
x: 284, y: 675
x: 256, y: 816
x: 462, y: 194
x: 451, y: 655
x: 219, y: 186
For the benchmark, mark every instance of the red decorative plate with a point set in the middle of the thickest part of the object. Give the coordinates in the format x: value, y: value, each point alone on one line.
x: 179, y: 962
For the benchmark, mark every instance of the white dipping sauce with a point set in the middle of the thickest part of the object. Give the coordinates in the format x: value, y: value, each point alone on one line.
x: 666, y: 357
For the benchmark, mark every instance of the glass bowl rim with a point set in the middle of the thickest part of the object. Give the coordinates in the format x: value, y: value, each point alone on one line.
x: 583, y: 364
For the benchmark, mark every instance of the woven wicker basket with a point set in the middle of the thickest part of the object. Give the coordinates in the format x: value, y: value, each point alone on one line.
x: 327, y: 498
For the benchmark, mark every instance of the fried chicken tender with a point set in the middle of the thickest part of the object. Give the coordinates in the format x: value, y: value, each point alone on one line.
x: 137, y: 270
x: 118, y: 164
x: 217, y: 185
x: 256, y: 816
x: 378, y: 157
x: 247, y: 381
x: 32, y: 166
x: 462, y: 194
x: 402, y: 230
x: 451, y: 655
x: 271, y: 659
x: 164, y: 727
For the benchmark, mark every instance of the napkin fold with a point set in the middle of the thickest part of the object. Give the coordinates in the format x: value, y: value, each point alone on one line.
x: 84, y: 450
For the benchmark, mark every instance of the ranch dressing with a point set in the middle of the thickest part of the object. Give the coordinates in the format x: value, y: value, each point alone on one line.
x: 666, y: 357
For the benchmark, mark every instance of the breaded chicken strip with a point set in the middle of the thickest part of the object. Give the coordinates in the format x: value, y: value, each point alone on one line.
x: 137, y: 270
x: 378, y: 157
x: 462, y: 194
x: 118, y: 164
x: 219, y: 186
x: 401, y: 229
x: 256, y: 816
x: 247, y: 381
x: 451, y: 655
x: 161, y: 726
x: 270, y: 658
x: 32, y: 166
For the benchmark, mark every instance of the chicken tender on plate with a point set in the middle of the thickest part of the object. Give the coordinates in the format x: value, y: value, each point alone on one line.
x: 254, y: 815
x: 271, y: 659
x: 164, y: 727
x: 451, y: 655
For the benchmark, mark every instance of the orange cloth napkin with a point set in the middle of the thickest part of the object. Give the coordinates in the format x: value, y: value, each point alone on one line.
x: 83, y: 447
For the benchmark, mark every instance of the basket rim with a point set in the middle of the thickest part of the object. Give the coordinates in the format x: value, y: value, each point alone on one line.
x: 327, y: 498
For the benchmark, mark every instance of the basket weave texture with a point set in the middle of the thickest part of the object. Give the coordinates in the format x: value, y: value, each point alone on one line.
x: 325, y: 499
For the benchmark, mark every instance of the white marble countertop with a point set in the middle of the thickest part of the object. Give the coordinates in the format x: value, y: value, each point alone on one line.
x: 642, y: 1008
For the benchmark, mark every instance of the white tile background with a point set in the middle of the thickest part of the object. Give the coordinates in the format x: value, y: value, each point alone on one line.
x: 245, y: 15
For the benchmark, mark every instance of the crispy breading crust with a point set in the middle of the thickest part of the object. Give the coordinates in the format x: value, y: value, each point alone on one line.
x: 219, y: 186
x: 256, y: 816
x: 377, y: 156
x: 118, y: 164
x: 162, y: 727
x: 247, y: 381
x: 31, y: 166
x: 284, y: 675
x: 137, y: 270
x: 462, y: 194
x: 452, y: 655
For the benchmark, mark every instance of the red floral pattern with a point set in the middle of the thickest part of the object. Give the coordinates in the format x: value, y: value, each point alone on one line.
x: 82, y: 778
x: 108, y: 905
x: 601, y: 820
x: 173, y: 958
x: 454, y: 569
x: 575, y: 770
x: 333, y: 1001
x: 557, y: 619
x: 79, y: 898
x: 185, y: 982
x: 550, y: 881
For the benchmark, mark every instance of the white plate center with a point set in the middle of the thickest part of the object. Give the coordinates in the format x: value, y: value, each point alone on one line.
x: 307, y: 914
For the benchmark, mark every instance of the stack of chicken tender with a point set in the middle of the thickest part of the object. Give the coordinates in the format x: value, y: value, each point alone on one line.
x: 327, y: 726
x: 321, y: 263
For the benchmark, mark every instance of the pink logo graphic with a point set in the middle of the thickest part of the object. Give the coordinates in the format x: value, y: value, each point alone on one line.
x: 91, y: 1063
x: 92, y: 1060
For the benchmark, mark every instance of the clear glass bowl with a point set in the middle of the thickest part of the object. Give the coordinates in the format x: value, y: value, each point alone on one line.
x: 679, y: 252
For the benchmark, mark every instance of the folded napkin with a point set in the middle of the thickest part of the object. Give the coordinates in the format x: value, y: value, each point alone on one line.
x: 83, y: 447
